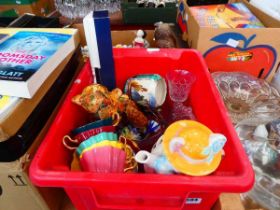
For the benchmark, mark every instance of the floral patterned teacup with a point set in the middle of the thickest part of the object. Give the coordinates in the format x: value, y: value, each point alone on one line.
x: 147, y: 89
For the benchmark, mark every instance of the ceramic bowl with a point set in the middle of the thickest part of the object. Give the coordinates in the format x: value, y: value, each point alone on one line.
x: 105, y: 159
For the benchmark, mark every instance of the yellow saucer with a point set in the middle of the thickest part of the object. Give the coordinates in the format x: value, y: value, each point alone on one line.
x: 189, y: 138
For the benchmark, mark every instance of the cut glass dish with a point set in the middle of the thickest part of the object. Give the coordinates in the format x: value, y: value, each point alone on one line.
x: 246, y: 96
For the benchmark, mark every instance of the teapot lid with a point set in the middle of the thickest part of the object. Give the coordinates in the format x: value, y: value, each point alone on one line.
x: 192, y: 148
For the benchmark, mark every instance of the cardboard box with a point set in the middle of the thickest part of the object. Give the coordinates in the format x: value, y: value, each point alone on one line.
x: 37, y: 7
x: 126, y: 37
x: 256, y: 51
x: 16, y: 190
x: 118, y: 37
x: 229, y: 201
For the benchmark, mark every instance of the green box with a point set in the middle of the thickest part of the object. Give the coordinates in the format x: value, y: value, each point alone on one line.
x: 19, y: 2
x: 133, y: 14
x: 8, y: 13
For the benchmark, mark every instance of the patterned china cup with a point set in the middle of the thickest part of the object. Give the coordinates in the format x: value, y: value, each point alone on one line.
x: 147, y: 89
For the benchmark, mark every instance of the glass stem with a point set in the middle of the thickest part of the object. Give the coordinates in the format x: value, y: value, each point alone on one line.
x: 181, y: 112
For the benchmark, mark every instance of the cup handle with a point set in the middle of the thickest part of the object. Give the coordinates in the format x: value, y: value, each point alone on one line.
x: 130, y: 160
x: 116, y: 118
x: 66, y: 140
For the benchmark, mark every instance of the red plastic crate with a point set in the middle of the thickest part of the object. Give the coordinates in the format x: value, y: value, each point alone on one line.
x: 87, y: 190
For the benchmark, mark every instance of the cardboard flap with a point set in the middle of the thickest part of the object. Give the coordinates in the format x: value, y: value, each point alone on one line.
x: 267, y: 20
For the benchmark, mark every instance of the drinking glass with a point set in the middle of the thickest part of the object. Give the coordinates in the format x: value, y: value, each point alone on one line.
x: 179, y: 85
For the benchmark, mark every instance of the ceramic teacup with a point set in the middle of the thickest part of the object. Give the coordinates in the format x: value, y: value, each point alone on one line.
x: 147, y: 89
x: 89, y: 126
x: 104, y: 159
x: 86, y: 131
x: 90, y: 143
x: 92, y: 132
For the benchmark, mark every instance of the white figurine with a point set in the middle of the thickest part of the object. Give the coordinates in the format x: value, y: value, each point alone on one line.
x: 261, y: 132
x: 160, y: 3
x: 141, y: 3
x: 139, y: 41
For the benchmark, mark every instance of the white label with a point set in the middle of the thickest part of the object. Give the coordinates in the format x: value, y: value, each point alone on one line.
x: 232, y: 43
x: 77, y: 81
x: 92, y: 45
x: 186, y: 17
x: 153, y: 49
x: 193, y: 200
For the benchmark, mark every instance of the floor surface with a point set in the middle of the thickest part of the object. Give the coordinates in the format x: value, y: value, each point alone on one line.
x: 67, y: 204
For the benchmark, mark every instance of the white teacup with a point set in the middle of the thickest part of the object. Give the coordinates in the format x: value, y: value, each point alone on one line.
x: 147, y: 89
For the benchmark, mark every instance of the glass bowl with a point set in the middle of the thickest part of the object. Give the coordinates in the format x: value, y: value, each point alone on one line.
x: 246, y: 96
x: 266, y: 164
x: 265, y: 193
x: 261, y: 141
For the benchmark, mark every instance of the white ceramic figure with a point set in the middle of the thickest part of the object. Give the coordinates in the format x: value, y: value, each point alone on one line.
x: 260, y: 132
x: 139, y: 40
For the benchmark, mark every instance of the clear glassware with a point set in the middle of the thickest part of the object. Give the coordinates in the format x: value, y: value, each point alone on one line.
x: 74, y: 9
x: 267, y: 159
x: 266, y: 163
x: 246, y: 96
x: 255, y: 132
x: 179, y: 85
x: 110, y: 5
x: 261, y: 140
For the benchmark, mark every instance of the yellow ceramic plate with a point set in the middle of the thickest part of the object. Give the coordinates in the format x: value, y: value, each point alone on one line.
x: 183, y: 144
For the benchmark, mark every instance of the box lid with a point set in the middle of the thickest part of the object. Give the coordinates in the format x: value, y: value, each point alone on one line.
x: 19, y: 2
